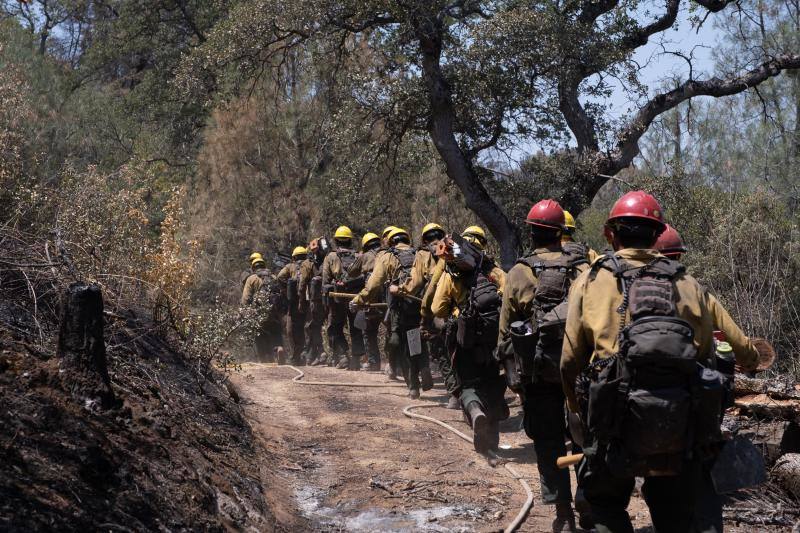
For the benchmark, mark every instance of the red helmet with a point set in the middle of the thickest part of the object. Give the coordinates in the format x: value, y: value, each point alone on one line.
x: 546, y: 213
x: 637, y: 204
x: 670, y: 242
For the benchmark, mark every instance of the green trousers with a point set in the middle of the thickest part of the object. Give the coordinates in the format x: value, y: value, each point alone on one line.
x: 684, y: 503
x: 544, y: 422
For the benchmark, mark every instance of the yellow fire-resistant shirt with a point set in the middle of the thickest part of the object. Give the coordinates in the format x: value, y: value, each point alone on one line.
x: 451, y: 294
x: 308, y: 269
x: 385, y: 270
x: 252, y: 285
x: 332, y: 266
x: 421, y: 272
x: 593, y: 323
x: 363, y: 263
x: 430, y: 290
x: 289, y: 271
x: 521, y: 289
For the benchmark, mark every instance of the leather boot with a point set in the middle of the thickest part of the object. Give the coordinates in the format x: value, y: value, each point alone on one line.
x: 343, y: 362
x: 426, y: 378
x: 355, y: 363
x: 413, y: 394
x: 481, y: 430
x: 565, y: 519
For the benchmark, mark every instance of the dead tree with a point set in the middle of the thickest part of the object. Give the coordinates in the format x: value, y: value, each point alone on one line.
x: 81, y: 347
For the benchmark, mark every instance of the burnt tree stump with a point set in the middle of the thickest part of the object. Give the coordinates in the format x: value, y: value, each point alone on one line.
x: 81, y: 347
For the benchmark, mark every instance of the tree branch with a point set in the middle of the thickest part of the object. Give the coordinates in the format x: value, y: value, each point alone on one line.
x: 579, y: 122
x: 628, y: 145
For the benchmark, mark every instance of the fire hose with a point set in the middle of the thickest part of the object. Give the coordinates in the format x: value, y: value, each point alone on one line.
x: 526, y: 507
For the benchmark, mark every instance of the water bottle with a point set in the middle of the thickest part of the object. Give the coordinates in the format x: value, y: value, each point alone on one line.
x: 726, y: 359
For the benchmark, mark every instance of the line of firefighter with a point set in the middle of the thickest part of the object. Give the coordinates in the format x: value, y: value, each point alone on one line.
x: 611, y: 351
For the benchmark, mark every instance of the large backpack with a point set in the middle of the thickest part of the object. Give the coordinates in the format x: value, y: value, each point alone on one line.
x: 478, y: 321
x: 407, y: 309
x: 293, y: 295
x: 654, y: 404
x: 541, y: 354
x: 274, y: 294
x: 347, y: 283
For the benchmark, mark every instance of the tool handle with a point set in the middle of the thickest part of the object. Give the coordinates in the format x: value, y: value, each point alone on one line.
x: 569, y: 460
x: 348, y: 295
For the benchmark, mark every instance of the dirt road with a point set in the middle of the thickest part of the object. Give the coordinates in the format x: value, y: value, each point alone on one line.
x: 347, y: 459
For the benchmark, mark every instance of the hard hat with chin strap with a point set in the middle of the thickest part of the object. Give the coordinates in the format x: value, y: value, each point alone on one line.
x: 386, y: 231
x: 299, y: 250
x: 430, y: 226
x: 254, y: 256
x: 258, y: 261
x: 669, y: 243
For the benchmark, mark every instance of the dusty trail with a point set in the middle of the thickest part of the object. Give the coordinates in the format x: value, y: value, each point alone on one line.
x: 347, y: 459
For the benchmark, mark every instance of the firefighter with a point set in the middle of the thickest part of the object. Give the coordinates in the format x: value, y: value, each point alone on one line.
x: 260, y: 290
x: 363, y: 267
x: 568, y: 243
x: 246, y: 273
x: 421, y: 273
x: 392, y: 269
x: 296, y: 316
x: 468, y: 298
x: 310, y: 296
x: 664, y: 317
x: 335, y: 278
x: 536, y: 286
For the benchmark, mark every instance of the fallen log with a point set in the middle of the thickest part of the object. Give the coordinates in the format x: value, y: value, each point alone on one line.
x: 766, y: 406
x: 775, y: 388
x: 787, y: 472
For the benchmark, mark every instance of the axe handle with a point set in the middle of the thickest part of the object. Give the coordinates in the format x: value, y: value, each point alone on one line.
x: 569, y: 460
x: 348, y: 295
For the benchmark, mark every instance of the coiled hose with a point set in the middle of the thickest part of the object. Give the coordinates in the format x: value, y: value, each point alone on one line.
x: 526, y: 507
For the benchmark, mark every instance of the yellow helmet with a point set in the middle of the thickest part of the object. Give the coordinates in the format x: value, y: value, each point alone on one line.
x: 569, y: 220
x: 343, y: 232
x: 258, y: 261
x: 254, y: 256
x: 476, y: 231
x: 299, y: 250
x: 367, y: 238
x: 386, y: 231
x: 473, y: 239
x: 395, y: 232
x: 431, y: 226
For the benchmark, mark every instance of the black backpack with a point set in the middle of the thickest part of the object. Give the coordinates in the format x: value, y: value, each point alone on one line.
x: 541, y: 353
x: 478, y: 323
x: 408, y: 309
x: 653, y: 404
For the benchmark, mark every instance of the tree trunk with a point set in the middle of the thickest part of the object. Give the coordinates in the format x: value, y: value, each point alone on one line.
x: 459, y: 167
x: 81, y: 347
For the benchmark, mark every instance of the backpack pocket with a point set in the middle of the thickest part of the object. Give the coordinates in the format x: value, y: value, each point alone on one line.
x: 656, y: 421
x: 658, y: 341
x: 466, y: 329
x: 603, y: 403
x: 547, y: 361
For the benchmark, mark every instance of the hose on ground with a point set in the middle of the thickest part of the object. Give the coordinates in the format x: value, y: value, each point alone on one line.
x: 526, y: 507
x: 301, y: 374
